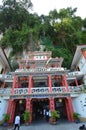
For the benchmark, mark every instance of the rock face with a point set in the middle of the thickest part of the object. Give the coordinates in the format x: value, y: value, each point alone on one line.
x: 7, y: 51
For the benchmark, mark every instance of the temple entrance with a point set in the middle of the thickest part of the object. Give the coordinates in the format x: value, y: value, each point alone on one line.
x: 60, y: 106
x: 20, y: 108
x: 38, y: 106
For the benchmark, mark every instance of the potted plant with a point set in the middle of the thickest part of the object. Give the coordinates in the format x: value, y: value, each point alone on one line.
x: 54, y: 116
x: 26, y: 116
x: 6, y: 119
x: 76, y: 117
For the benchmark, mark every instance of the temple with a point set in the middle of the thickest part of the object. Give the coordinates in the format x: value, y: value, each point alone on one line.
x: 41, y: 82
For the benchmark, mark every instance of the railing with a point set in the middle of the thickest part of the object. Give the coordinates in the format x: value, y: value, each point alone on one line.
x: 21, y: 91
x: 6, y: 76
x: 40, y: 90
x: 5, y: 91
x: 76, y: 88
x: 59, y: 89
x: 43, y: 90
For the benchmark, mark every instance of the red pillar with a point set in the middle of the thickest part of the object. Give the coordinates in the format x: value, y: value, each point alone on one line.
x: 70, y: 106
x: 65, y: 82
x: 28, y: 101
x: 51, y: 101
x: 52, y: 104
x: 13, y: 111
x: 50, y: 83
x: 28, y: 108
x: 69, y: 102
x: 14, y: 85
x: 10, y: 110
x: 59, y: 64
x: 67, y: 110
x: 33, y: 66
x: 30, y: 84
x: 3, y: 85
x: 76, y: 82
x: 20, y: 66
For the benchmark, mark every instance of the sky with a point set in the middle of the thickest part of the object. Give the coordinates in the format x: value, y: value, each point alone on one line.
x: 44, y: 6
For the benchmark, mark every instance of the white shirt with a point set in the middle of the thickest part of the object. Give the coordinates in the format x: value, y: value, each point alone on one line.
x: 49, y: 113
x: 44, y: 112
x: 17, y: 120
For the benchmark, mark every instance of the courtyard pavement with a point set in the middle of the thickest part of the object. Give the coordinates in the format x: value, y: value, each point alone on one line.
x: 65, y: 125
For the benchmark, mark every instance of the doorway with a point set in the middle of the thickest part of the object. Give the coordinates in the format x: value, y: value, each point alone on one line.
x: 60, y: 106
x: 20, y: 108
x: 38, y: 105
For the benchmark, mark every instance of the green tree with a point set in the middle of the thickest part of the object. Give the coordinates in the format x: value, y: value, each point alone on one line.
x: 13, y: 14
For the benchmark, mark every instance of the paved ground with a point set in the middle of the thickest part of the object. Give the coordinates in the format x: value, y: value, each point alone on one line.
x: 65, y: 125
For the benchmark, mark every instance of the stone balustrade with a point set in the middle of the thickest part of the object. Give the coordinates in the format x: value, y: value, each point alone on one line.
x: 21, y: 91
x: 59, y: 89
x: 76, y: 88
x: 43, y: 90
x: 40, y: 90
x: 5, y: 91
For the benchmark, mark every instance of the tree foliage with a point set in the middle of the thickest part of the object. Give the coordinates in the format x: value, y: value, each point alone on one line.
x: 60, y: 31
x: 13, y: 14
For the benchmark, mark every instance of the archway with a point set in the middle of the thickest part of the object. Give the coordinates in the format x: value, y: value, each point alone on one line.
x: 61, y: 107
x: 38, y: 105
x: 20, y: 108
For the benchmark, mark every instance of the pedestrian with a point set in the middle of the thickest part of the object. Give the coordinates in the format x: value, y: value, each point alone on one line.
x: 47, y: 115
x: 17, y: 122
x: 82, y: 127
x: 44, y: 112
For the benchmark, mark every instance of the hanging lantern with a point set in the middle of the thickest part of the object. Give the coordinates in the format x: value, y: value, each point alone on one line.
x: 84, y: 52
x: 24, y: 78
x: 52, y: 65
x: 27, y: 66
x: 60, y: 100
x: 20, y: 101
x: 56, y: 77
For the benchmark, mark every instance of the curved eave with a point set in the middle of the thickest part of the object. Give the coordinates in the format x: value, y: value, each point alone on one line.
x: 4, y: 59
x: 77, y: 55
x: 23, y: 73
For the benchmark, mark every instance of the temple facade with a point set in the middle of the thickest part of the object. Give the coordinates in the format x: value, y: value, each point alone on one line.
x: 41, y: 83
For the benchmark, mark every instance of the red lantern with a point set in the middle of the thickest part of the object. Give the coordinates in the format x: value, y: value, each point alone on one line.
x: 24, y: 78
x: 56, y: 77
x: 52, y: 65
x: 27, y: 66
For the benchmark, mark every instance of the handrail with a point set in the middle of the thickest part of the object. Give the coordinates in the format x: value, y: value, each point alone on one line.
x: 59, y: 89
x: 38, y: 90
x: 21, y: 91
x: 5, y: 91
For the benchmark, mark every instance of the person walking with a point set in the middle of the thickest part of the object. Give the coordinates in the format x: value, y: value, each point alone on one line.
x: 44, y: 112
x: 47, y: 115
x: 17, y: 122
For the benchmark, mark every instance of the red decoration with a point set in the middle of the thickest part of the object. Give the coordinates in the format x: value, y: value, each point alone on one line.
x: 56, y: 77
x: 27, y: 66
x: 52, y: 65
x: 24, y: 78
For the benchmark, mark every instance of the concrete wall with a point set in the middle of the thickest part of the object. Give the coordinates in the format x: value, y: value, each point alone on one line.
x: 3, y: 107
x: 84, y: 79
x: 79, y: 105
x: 82, y: 64
x: 82, y: 67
